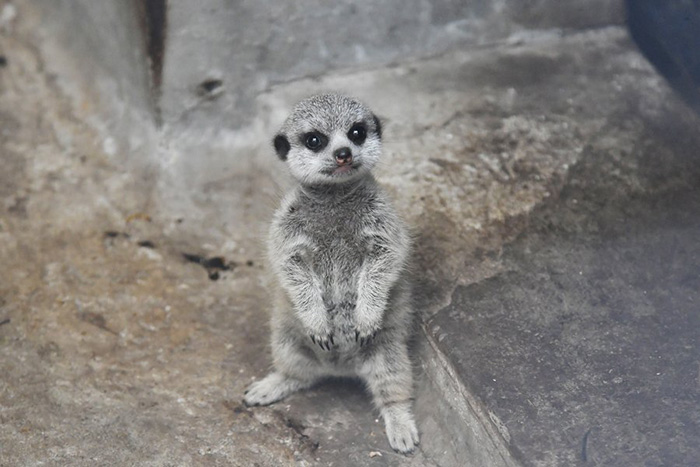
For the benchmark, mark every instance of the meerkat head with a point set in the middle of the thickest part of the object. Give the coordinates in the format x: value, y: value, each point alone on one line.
x: 329, y: 138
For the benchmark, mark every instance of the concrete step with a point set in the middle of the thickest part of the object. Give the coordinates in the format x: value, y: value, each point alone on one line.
x: 585, y: 349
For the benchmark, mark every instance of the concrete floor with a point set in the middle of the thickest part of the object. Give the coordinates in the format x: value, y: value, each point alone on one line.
x: 118, y: 350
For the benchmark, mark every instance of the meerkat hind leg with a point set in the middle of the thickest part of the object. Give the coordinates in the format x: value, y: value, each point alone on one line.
x: 389, y: 379
x: 294, y: 371
x: 272, y: 388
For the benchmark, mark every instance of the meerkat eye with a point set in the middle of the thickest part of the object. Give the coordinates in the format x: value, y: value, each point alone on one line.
x: 357, y: 134
x: 314, y: 141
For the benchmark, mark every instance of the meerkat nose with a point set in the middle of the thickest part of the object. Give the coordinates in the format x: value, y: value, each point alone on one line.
x: 343, y: 156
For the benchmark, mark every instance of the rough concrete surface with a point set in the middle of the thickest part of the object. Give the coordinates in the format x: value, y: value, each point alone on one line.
x: 135, y: 296
x: 116, y: 349
x: 94, y: 53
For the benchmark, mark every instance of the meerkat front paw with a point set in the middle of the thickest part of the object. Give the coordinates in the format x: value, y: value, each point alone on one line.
x: 326, y: 342
x: 366, y: 332
x: 401, y: 429
x: 365, y: 337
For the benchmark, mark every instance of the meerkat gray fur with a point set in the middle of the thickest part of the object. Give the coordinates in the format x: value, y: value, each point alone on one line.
x: 339, y: 252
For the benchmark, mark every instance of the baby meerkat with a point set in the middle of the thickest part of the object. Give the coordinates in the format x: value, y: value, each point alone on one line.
x: 339, y: 252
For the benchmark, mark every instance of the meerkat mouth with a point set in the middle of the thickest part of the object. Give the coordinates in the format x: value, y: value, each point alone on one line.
x: 343, y: 169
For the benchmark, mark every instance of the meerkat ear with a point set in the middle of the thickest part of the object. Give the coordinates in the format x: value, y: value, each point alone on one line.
x: 281, y: 146
x: 378, y: 126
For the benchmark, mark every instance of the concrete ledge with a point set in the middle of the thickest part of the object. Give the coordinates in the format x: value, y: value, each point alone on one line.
x: 585, y: 348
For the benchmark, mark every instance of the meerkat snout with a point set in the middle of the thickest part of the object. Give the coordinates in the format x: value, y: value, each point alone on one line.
x: 343, y: 156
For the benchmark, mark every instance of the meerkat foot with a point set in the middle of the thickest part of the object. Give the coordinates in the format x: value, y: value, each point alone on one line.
x: 401, y: 427
x: 272, y: 388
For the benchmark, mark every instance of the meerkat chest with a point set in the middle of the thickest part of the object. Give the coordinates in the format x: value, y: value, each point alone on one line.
x: 336, y: 231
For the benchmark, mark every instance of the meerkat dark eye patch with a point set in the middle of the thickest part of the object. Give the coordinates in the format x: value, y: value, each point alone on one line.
x: 314, y: 141
x: 358, y: 133
x: 281, y: 146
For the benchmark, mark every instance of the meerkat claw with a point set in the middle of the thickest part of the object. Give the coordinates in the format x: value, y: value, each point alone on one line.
x: 364, y: 339
x: 326, y: 343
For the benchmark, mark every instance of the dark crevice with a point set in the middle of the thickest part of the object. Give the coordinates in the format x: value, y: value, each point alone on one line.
x: 210, y: 87
x: 153, y: 16
x: 115, y: 234
x: 212, y: 265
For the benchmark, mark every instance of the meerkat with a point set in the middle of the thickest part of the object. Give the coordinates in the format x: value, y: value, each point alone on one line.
x: 339, y: 252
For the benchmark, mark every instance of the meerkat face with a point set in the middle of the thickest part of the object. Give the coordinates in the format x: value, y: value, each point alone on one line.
x: 328, y: 139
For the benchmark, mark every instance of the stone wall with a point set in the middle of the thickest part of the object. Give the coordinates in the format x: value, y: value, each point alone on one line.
x: 217, y: 55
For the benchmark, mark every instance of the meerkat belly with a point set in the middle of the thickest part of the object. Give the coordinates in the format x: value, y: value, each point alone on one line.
x: 337, y: 260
